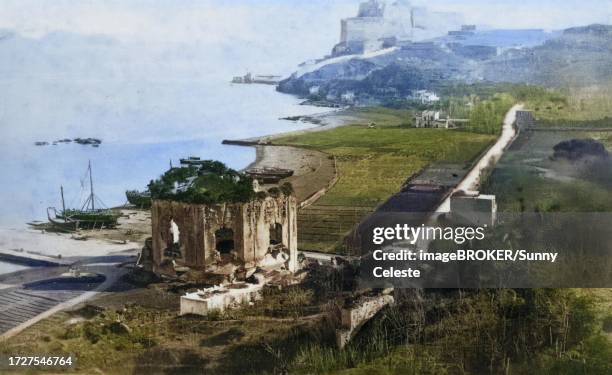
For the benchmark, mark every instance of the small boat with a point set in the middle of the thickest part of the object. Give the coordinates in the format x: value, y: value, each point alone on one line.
x: 140, y: 199
x: 63, y: 224
x: 88, y: 217
x: 269, y: 174
x: 192, y: 161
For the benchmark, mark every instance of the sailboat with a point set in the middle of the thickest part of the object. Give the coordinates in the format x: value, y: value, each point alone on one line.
x: 87, y: 217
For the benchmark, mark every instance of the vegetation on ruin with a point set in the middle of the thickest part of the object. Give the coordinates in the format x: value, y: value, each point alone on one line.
x: 210, y: 183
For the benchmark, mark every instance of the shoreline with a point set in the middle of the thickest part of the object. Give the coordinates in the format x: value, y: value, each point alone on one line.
x: 40, y: 248
x: 325, y: 120
x: 314, y: 171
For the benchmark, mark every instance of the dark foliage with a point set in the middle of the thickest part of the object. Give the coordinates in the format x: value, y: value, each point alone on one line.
x: 208, y: 183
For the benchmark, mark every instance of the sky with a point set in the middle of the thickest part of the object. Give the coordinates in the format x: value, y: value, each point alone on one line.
x: 166, y: 20
x: 268, y: 36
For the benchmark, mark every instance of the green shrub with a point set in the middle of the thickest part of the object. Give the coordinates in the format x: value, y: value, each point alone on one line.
x: 274, y: 192
x: 286, y: 188
x: 209, y: 183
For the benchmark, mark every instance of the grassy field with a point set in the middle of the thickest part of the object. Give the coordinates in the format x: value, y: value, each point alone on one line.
x: 373, y: 163
x: 528, y: 180
x: 589, y: 106
x: 586, y: 106
x: 137, y: 338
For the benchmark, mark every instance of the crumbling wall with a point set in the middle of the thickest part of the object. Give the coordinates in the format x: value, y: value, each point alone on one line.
x: 191, y: 235
x: 198, y: 223
x: 258, y: 217
x: 354, y: 316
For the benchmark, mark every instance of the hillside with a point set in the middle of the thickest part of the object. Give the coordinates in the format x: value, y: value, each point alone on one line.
x: 575, y: 57
x: 579, y: 56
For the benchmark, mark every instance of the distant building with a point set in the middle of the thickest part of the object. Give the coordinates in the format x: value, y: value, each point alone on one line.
x: 466, y: 30
x: 262, y: 79
x: 428, y: 119
x: 425, y: 97
x: 348, y: 97
x: 381, y: 25
x: 436, y: 119
x: 473, y: 208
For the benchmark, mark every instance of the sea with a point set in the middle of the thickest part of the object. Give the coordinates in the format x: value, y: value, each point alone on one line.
x: 144, y: 126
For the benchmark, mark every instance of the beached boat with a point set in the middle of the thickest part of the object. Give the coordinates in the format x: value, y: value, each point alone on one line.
x: 269, y: 175
x: 140, y: 199
x: 87, y: 217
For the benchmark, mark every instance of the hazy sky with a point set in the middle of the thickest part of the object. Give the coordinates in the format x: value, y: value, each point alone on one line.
x: 167, y: 20
x: 276, y: 33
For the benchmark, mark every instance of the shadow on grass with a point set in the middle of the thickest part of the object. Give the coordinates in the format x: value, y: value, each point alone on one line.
x: 171, y: 361
x: 223, y: 338
x: 275, y: 351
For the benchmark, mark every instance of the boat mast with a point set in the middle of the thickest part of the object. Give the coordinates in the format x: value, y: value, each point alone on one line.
x: 63, y: 203
x: 91, y: 195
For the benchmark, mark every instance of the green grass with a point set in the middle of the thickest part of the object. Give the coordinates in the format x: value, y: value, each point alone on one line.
x: 577, y: 106
x: 373, y: 163
x: 246, y: 340
x: 520, y: 187
x: 589, y: 106
x: 487, y: 116
x: 519, y: 331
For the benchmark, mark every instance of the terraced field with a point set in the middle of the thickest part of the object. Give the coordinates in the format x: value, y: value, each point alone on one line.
x: 373, y: 163
x: 322, y: 227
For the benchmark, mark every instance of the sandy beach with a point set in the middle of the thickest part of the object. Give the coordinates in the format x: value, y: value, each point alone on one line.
x: 312, y: 170
x: 134, y: 227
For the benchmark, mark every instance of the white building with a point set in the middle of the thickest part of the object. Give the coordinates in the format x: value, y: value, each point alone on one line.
x: 348, y: 97
x: 425, y: 97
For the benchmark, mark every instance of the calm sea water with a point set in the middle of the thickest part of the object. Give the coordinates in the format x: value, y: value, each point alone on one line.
x: 6, y: 267
x: 143, y: 126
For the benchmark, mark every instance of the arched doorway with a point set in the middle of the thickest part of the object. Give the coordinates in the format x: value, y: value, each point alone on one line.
x: 173, y: 248
x: 276, y: 234
x: 224, y: 239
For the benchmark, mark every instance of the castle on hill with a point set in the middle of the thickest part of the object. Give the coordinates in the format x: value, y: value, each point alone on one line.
x: 381, y: 24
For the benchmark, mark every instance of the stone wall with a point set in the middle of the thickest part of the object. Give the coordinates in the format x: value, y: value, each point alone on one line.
x: 199, y: 226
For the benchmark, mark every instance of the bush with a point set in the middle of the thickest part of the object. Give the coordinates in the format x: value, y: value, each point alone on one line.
x: 274, y: 192
x: 286, y: 188
x: 209, y: 183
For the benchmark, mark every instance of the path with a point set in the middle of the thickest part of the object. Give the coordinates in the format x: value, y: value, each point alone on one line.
x: 472, y: 180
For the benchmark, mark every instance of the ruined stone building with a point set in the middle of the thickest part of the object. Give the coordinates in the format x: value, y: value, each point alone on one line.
x: 199, y: 236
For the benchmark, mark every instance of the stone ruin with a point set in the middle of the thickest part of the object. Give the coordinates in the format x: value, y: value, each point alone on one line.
x: 258, y: 233
x: 233, y: 249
